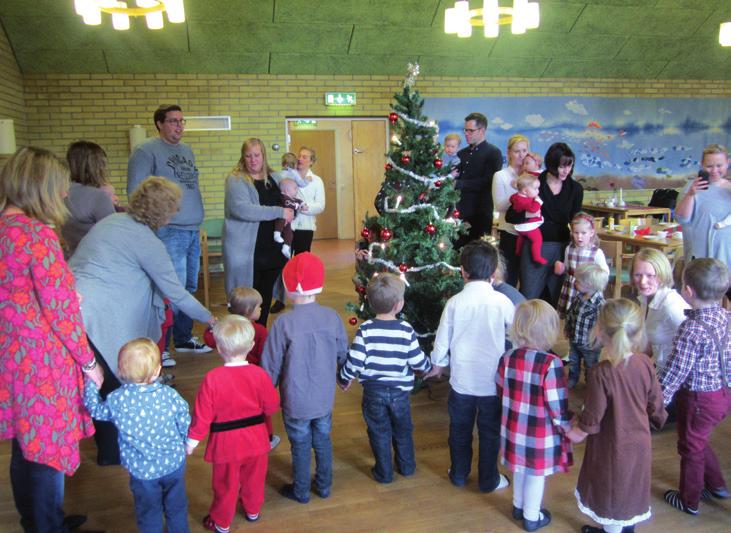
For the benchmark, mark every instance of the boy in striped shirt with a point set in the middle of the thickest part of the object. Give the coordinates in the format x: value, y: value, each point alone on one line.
x: 383, y: 356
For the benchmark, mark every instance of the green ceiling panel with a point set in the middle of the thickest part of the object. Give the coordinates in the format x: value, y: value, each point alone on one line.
x: 234, y: 35
x: 482, y: 67
x: 411, y: 13
x: 639, y: 21
x: 243, y: 10
x: 37, y: 8
x: 121, y: 62
x: 653, y: 49
x: 62, y: 61
x: 371, y: 40
x: 698, y: 70
x: 553, y: 45
x: 338, y: 65
x: 571, y: 68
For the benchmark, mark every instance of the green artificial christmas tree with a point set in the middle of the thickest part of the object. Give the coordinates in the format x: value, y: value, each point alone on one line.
x: 417, y: 220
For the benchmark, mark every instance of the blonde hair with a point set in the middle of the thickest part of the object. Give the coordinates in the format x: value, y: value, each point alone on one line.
x: 240, y: 169
x: 87, y: 163
x: 592, y: 276
x: 622, y: 328
x: 525, y: 180
x: 585, y: 218
x: 138, y: 361
x: 154, y: 202
x: 234, y: 336
x: 535, y: 156
x: 453, y: 137
x: 35, y: 181
x: 535, y: 324
x: 515, y: 139
x: 659, y: 263
x: 289, y: 160
x: 384, y: 292
x: 313, y: 154
x: 714, y: 149
x: 708, y: 277
x: 244, y: 300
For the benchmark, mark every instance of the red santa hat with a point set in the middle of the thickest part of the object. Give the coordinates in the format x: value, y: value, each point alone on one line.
x: 304, y: 274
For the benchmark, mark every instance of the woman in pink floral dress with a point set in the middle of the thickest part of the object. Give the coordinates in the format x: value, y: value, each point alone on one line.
x: 43, y: 347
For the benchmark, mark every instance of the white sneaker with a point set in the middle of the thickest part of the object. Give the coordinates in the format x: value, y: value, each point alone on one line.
x: 286, y: 251
x: 274, y: 441
x: 278, y: 236
x: 167, y: 361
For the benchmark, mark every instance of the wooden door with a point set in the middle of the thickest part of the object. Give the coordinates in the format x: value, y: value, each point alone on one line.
x: 323, y: 142
x: 369, y: 158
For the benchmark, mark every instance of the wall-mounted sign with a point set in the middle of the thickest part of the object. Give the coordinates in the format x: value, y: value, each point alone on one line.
x: 305, y: 123
x: 339, y: 99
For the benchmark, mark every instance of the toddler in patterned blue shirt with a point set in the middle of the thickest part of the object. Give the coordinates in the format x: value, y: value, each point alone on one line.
x: 152, y: 420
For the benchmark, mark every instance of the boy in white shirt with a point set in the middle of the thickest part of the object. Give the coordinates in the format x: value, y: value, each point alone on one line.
x: 470, y: 340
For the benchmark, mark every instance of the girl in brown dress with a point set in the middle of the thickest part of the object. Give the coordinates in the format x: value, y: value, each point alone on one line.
x: 623, y: 399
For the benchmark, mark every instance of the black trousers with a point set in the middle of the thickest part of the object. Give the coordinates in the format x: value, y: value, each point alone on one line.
x: 264, y: 281
x: 302, y: 241
x: 106, y: 435
x: 512, y: 261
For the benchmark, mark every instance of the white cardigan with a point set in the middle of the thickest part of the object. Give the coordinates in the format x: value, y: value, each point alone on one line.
x: 502, y: 190
x: 314, y: 196
x: 663, y: 318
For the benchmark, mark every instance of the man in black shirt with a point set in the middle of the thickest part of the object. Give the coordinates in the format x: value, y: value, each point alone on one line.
x: 478, y: 162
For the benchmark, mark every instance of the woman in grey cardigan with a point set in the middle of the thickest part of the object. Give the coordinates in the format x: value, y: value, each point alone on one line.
x: 122, y: 272
x: 250, y: 255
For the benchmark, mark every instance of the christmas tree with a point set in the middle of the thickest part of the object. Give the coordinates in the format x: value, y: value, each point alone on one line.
x: 417, y: 221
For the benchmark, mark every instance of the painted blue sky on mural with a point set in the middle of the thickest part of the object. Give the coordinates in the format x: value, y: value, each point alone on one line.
x: 640, y: 142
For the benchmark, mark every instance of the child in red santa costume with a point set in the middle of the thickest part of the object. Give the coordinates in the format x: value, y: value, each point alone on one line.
x: 527, y: 203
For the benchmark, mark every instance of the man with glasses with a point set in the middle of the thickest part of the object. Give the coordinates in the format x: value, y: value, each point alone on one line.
x: 166, y: 156
x: 478, y: 163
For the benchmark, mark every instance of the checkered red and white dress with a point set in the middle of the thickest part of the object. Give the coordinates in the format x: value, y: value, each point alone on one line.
x: 535, y: 413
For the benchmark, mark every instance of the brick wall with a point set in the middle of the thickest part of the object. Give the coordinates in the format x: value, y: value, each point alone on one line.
x: 63, y: 108
x: 12, y: 104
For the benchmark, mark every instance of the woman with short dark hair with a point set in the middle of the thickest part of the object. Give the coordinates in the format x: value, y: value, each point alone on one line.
x: 562, y: 198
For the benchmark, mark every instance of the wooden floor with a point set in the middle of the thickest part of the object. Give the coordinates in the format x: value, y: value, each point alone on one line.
x: 424, y: 502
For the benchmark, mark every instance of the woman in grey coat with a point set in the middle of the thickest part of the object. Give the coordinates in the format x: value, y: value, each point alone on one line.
x: 122, y: 272
x: 251, y: 256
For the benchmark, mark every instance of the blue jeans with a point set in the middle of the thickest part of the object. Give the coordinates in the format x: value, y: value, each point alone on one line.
x: 304, y: 435
x: 577, y: 352
x: 184, y: 248
x: 387, y: 413
x: 155, y: 497
x: 463, y: 410
x: 38, y: 493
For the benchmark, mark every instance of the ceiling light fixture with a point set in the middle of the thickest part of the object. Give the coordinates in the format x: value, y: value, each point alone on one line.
x: 91, y: 12
x: 524, y: 15
x: 724, y: 34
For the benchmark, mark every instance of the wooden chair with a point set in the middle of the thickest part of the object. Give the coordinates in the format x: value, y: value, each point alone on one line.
x: 211, y: 247
x: 616, y: 259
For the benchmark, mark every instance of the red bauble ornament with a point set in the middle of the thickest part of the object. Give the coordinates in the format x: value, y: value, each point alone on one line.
x: 456, y: 213
x: 393, y: 118
x: 437, y: 184
x: 438, y: 163
x: 386, y: 234
x: 405, y: 159
x: 430, y: 228
x: 422, y: 197
x: 366, y: 233
x: 360, y: 289
x: 403, y: 267
x: 352, y: 321
x: 388, y: 166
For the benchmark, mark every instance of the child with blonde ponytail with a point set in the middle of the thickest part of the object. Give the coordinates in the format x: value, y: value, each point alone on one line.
x: 623, y: 399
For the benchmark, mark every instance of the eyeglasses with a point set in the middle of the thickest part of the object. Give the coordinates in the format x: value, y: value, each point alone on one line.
x: 470, y: 130
x: 176, y: 121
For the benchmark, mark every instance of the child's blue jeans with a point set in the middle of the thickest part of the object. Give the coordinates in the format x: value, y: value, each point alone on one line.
x: 387, y: 413
x: 577, y: 352
x: 162, y: 496
x: 304, y: 435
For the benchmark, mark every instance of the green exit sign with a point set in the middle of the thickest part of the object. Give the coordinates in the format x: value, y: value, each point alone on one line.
x: 339, y: 99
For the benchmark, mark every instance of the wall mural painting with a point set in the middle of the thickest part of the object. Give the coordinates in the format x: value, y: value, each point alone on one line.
x: 631, y: 143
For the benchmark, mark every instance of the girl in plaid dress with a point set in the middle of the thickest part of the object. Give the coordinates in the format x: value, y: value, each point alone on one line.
x: 584, y: 248
x: 535, y: 411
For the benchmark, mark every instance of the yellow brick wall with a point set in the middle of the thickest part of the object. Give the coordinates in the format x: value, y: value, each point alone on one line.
x: 12, y: 104
x: 102, y: 108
